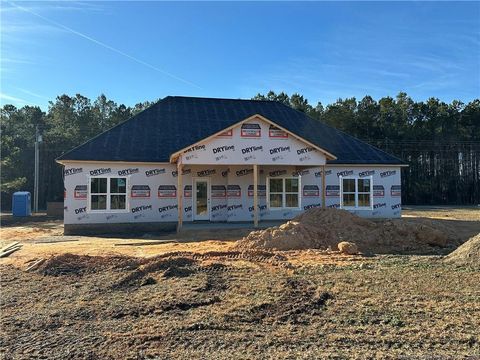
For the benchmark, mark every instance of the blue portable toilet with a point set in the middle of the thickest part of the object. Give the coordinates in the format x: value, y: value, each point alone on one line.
x: 21, y: 203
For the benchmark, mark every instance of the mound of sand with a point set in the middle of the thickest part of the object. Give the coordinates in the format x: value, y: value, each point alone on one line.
x: 467, y: 254
x: 325, y: 228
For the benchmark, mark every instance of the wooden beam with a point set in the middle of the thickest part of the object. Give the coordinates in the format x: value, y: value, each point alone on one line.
x: 179, y: 193
x: 324, y: 187
x: 9, y: 246
x: 35, y: 265
x: 255, y: 195
x: 10, y: 251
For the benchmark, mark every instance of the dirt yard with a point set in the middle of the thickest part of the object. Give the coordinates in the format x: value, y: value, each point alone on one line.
x: 169, y: 297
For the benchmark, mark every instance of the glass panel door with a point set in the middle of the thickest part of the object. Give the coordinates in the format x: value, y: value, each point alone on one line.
x: 201, y: 201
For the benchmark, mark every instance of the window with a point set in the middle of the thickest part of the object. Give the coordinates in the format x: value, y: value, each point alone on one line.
x: 356, y: 192
x: 98, y: 191
x: 108, y: 194
x: 284, y: 193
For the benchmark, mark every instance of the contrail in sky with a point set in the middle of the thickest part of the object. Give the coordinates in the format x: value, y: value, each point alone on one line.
x: 106, y: 46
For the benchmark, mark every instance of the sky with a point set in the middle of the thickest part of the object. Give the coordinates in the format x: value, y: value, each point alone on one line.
x: 138, y: 51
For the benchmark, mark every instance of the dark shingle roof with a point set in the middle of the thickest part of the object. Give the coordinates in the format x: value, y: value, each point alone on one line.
x: 177, y: 122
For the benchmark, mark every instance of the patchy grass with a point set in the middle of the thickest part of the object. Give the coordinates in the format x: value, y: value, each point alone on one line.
x: 216, y: 307
x: 209, y: 301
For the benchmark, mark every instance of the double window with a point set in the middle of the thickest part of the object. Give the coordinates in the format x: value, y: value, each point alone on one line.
x: 284, y: 193
x: 108, y: 194
x: 356, y: 192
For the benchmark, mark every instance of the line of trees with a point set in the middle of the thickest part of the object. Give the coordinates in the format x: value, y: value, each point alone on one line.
x: 69, y: 122
x: 440, y: 142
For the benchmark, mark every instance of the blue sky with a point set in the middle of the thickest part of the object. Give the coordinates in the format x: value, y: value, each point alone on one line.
x: 137, y: 51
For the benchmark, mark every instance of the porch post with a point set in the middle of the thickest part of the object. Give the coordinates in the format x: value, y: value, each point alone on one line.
x: 179, y: 194
x: 255, y: 195
x: 323, y: 187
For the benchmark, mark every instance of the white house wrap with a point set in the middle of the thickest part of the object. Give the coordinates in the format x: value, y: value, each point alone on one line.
x: 217, y: 181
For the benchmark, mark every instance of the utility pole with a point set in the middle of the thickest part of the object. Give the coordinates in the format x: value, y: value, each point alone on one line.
x: 38, y: 140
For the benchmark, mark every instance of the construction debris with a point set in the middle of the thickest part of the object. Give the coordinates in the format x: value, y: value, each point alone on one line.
x: 35, y: 265
x: 146, y: 243
x: 9, y: 246
x: 55, y: 239
x: 9, y: 249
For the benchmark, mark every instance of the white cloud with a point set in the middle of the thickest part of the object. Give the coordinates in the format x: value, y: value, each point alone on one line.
x: 28, y: 92
x: 65, y: 5
x: 6, y: 60
x: 6, y: 98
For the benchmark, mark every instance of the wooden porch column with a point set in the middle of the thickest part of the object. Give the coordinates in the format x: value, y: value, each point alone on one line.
x: 324, y: 187
x: 255, y: 195
x: 179, y: 194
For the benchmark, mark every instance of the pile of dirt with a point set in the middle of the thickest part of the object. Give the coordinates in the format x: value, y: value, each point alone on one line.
x: 136, y: 272
x: 325, y: 228
x: 71, y: 264
x: 67, y: 264
x: 169, y: 266
x: 467, y: 254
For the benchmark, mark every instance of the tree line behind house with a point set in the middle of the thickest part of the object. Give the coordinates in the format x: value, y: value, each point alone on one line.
x: 440, y: 142
x: 70, y: 121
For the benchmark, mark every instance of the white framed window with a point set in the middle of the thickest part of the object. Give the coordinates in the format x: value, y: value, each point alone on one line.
x: 108, y: 194
x: 283, y: 192
x: 356, y: 192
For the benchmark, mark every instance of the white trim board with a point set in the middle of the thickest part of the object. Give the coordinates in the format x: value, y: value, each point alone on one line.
x: 113, y: 162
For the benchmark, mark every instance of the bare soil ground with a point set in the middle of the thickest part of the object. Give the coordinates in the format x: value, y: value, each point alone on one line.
x: 95, y: 299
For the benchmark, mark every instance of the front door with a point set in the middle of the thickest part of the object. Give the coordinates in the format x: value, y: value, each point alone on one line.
x: 201, y: 199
